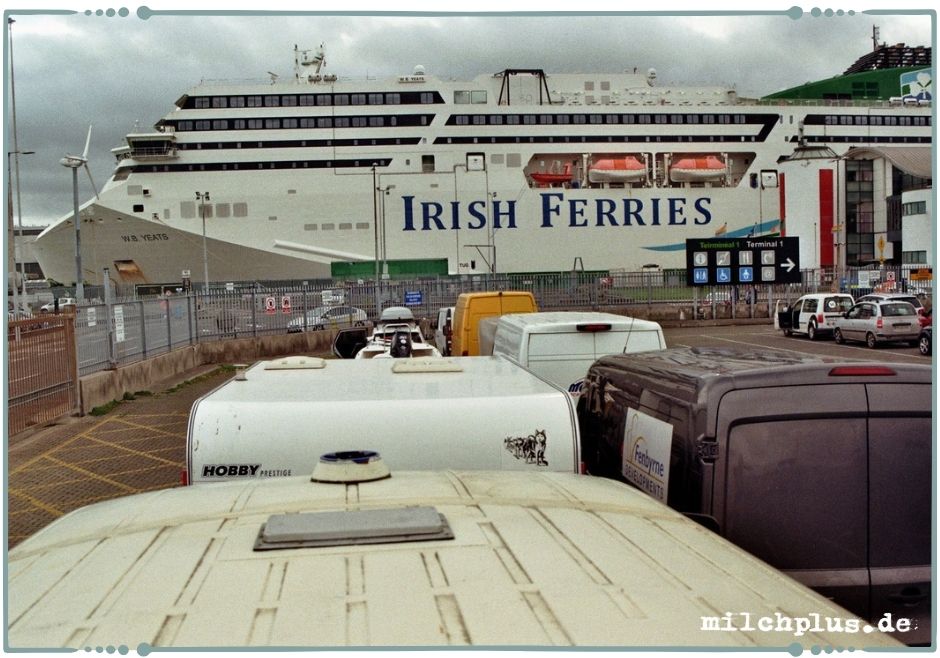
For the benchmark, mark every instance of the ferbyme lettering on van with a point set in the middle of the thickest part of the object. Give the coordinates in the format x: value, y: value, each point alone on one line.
x: 557, y: 209
x: 276, y: 418
x: 820, y: 467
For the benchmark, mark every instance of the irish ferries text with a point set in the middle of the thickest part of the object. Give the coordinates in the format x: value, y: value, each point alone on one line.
x: 556, y: 210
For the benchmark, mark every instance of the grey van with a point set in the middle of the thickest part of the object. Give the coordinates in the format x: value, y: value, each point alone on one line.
x: 821, y: 468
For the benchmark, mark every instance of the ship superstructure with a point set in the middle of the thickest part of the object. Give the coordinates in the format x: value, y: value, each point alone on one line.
x: 518, y: 171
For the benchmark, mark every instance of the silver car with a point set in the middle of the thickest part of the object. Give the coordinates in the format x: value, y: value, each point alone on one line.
x: 873, y: 323
x: 328, y: 316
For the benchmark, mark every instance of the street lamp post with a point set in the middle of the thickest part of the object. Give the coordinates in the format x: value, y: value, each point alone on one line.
x: 203, y: 197
x: 19, y: 222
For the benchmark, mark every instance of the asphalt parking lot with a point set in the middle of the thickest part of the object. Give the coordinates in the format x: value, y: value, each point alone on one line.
x: 140, y: 444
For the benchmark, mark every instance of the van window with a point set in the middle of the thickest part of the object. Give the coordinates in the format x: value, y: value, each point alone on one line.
x: 900, y: 467
x: 837, y: 304
x: 779, y: 471
x: 642, y: 341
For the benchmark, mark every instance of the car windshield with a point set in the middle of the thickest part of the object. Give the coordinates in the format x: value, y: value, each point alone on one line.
x: 895, y: 309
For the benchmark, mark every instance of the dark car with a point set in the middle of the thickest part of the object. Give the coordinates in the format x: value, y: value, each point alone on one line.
x: 925, y: 342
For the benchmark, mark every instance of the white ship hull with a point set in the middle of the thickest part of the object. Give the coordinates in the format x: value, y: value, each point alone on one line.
x: 443, y: 180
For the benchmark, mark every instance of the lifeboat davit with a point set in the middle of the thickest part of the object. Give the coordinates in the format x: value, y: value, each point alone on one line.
x: 553, y: 177
x: 617, y: 170
x: 704, y: 168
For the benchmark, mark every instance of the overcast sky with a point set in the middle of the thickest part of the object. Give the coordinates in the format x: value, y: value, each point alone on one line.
x: 122, y: 73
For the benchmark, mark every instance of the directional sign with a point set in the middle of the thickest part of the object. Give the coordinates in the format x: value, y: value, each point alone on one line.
x: 727, y: 261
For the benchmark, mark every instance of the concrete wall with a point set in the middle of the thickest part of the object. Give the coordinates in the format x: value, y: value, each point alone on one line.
x: 102, y: 387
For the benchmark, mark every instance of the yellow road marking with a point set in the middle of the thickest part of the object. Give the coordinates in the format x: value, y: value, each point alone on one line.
x: 36, y: 458
x: 93, y: 476
x: 36, y: 503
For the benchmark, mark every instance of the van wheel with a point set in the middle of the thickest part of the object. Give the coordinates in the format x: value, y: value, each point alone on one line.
x: 811, y: 330
x: 870, y: 340
x: 837, y: 336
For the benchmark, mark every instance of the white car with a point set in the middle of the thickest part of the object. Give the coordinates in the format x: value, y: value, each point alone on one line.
x: 66, y: 304
x: 322, y: 317
x: 814, y: 314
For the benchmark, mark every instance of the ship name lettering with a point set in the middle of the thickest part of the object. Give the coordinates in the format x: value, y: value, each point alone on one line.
x: 430, y: 215
x: 628, y: 212
x: 556, y: 209
x: 146, y: 237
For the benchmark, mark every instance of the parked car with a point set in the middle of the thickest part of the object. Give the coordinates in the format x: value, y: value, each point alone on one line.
x: 66, y: 305
x: 910, y: 298
x: 925, y: 342
x: 926, y: 318
x: 322, y: 317
x: 813, y: 314
x: 873, y: 323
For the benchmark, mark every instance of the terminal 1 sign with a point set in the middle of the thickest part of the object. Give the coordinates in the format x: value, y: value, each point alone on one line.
x: 737, y: 261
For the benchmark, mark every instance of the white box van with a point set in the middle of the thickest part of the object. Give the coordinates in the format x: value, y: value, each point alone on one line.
x: 561, y: 346
x: 413, y: 559
x: 279, y: 416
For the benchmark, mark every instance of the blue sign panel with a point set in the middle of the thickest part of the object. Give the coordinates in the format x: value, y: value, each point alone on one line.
x: 413, y: 298
x: 730, y: 261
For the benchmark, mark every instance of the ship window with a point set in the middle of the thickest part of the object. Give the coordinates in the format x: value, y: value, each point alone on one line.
x: 223, y: 210
x: 597, y: 118
x: 341, y: 122
x: 310, y: 227
x: 184, y: 126
x: 325, y: 122
x: 580, y: 118
x: 200, y: 103
x: 427, y: 98
x: 135, y: 190
x: 255, y: 124
x: 324, y: 99
x: 357, y: 99
x: 288, y: 101
x: 203, y: 125
x: 253, y: 101
x: 238, y: 124
x: 513, y: 160
x: 545, y: 118
x: 289, y: 123
x: 219, y: 101
x: 220, y: 124
x: 272, y: 123
x: 306, y: 100
x: 427, y: 164
x: 188, y: 209
x: 345, y: 226
x: 660, y: 118
x: 479, y: 120
x: 236, y: 101
x: 512, y: 119
x: 496, y: 120
x: 563, y: 118
x: 362, y: 225
x: 341, y: 99
x: 393, y: 99
x: 376, y: 99
x: 461, y: 97
x: 589, y: 86
x: 329, y: 226
x: 272, y: 218
x: 138, y: 207
x: 240, y: 209
x: 270, y: 101
x: 376, y: 122
x: 875, y: 121
x: 478, y: 97
x: 528, y: 119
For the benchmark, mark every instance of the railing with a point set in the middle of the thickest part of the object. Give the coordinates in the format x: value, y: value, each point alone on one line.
x: 43, y: 382
x: 133, y: 329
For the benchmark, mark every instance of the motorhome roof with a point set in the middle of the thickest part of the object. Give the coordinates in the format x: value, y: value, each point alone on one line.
x: 536, y: 560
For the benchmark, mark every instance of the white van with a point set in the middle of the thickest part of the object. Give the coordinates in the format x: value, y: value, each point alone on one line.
x: 444, y: 331
x: 405, y: 559
x: 561, y: 346
x: 276, y: 418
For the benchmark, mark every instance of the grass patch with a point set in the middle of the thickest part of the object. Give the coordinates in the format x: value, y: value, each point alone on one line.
x: 223, y: 369
x: 105, y: 408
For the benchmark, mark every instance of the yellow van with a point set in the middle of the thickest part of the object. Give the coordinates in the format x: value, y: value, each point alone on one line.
x: 474, y: 306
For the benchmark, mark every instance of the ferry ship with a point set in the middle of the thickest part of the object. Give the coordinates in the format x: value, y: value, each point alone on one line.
x: 319, y: 176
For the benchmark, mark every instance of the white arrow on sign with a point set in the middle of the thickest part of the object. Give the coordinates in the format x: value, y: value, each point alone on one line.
x: 789, y: 264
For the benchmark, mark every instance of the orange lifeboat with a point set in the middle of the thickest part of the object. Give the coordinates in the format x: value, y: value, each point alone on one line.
x: 627, y: 169
x: 694, y: 169
x: 553, y: 178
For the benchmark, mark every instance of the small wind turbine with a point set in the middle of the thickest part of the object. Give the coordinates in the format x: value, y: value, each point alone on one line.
x: 74, y: 162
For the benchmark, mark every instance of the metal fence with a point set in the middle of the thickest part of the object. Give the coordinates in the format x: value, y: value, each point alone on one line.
x: 115, y: 333
x: 43, y: 383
